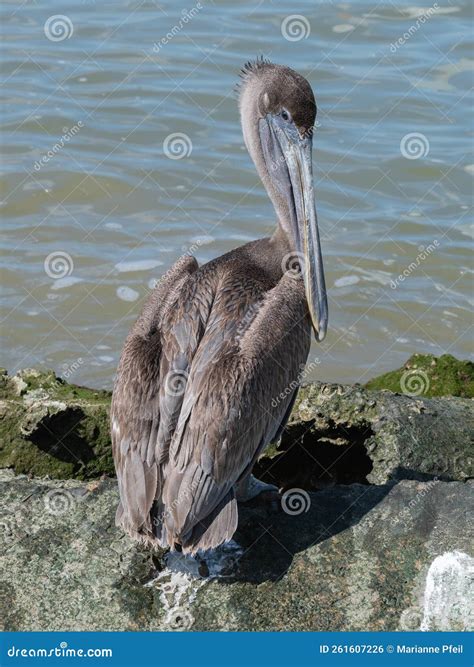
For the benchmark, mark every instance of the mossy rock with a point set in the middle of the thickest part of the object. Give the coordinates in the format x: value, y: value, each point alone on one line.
x: 427, y: 375
x: 46, y: 384
x: 51, y: 428
x: 336, y: 434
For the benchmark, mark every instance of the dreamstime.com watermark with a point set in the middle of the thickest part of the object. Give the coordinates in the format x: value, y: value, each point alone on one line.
x: 58, y: 27
x: 61, y: 651
x: 177, y: 145
x: 295, y: 28
x: 67, y: 373
x: 296, y: 383
x: 414, y: 382
x: 58, y: 502
x: 404, y: 514
x: 188, y: 251
x: 68, y: 370
x: 58, y: 264
x: 423, y: 254
x: 187, y: 15
x: 420, y: 21
x: 295, y: 502
x: 69, y: 133
x: 414, y: 145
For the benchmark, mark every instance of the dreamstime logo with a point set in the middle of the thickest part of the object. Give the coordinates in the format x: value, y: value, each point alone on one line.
x: 177, y: 146
x: 185, y: 494
x: 276, y: 164
x: 295, y: 501
x: 58, y: 501
x: 58, y: 265
x: 187, y: 250
x: 292, y: 264
x: 180, y: 619
x: 414, y: 382
x: 292, y: 386
x: 422, y: 18
x: 190, y: 250
x: 404, y: 514
x: 68, y: 134
x: 414, y: 145
x: 186, y: 17
x: 58, y: 28
x: 423, y: 254
x: 68, y: 370
x: 295, y: 27
x: 175, y: 383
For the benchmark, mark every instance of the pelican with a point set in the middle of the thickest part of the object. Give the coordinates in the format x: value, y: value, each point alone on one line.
x: 209, y: 372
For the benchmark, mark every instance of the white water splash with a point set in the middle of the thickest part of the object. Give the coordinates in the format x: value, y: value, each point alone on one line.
x: 68, y: 281
x: 343, y: 27
x: 127, y: 293
x: 345, y: 281
x: 137, y: 265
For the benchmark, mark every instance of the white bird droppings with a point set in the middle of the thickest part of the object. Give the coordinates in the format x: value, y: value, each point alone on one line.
x: 180, y: 581
x: 448, y: 602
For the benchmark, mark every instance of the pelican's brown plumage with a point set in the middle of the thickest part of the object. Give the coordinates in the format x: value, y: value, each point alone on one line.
x: 202, y: 384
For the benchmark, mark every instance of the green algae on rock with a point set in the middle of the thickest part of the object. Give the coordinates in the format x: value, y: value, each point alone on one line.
x: 336, y: 434
x: 429, y: 376
x: 51, y: 428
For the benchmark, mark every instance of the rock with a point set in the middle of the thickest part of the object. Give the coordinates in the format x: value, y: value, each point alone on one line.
x: 427, y: 375
x: 50, y: 427
x: 355, y: 557
x: 344, y: 434
x: 336, y: 434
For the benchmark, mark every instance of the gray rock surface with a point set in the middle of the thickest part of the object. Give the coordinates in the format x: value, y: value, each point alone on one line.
x: 355, y: 557
x: 404, y: 437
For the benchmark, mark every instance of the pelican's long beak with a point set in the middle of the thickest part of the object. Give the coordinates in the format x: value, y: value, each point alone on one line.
x: 289, y: 162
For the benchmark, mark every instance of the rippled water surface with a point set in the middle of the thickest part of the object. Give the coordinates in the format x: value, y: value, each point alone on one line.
x: 98, y: 200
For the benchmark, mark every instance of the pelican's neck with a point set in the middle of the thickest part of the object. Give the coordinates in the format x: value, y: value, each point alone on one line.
x: 250, y: 115
x: 280, y: 242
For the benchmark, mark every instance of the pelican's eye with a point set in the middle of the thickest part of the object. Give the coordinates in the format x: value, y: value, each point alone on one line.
x: 285, y: 115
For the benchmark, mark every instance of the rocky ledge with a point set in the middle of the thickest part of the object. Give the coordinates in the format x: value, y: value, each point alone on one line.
x: 372, y: 532
x: 355, y: 557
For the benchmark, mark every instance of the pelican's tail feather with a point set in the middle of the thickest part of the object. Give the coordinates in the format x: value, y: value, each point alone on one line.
x: 218, y: 527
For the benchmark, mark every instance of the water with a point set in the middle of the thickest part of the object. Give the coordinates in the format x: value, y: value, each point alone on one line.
x: 89, y: 226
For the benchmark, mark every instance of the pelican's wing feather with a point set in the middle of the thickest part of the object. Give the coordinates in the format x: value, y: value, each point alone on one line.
x: 143, y: 410
x: 235, y: 400
x: 204, y: 383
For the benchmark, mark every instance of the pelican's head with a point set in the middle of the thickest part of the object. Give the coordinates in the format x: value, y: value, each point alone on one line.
x: 278, y: 111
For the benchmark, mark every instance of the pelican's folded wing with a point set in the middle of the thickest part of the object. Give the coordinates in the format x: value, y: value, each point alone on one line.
x: 144, y: 410
x: 234, y: 403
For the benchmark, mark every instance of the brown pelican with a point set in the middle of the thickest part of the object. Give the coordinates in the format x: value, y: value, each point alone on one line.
x: 202, y: 384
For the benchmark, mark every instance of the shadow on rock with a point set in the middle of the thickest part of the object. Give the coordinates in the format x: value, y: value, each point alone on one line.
x: 271, y: 535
